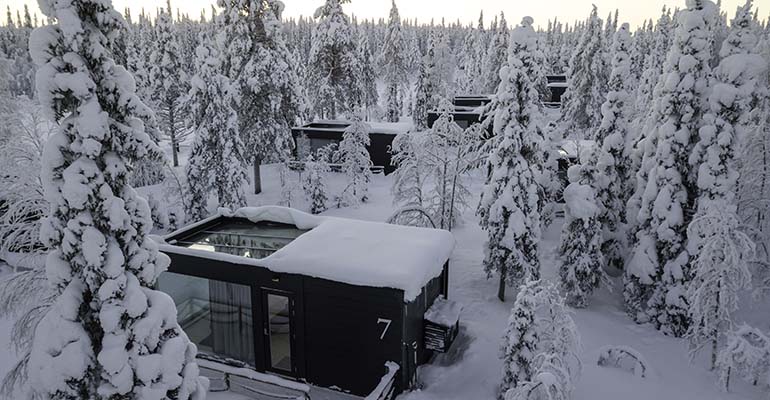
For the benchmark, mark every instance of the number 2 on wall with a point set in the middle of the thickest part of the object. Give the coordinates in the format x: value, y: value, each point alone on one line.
x: 387, y: 325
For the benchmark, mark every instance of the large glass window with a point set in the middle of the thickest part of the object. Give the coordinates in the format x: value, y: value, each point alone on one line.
x: 217, y: 316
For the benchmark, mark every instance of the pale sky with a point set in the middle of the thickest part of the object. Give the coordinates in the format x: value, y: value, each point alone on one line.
x: 632, y: 11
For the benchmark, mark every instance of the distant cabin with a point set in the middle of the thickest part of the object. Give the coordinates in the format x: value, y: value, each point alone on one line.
x: 337, y: 303
x: 558, y: 85
x: 323, y: 133
x: 468, y: 110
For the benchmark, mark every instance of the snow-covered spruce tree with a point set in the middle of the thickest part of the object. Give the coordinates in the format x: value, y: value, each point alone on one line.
x: 580, y: 253
x: 393, y: 61
x: 217, y: 161
x: 495, y: 56
x: 167, y: 85
x: 314, y: 183
x: 521, y: 339
x: 108, y: 334
x: 368, y: 76
x: 558, y: 336
x: 721, y: 251
x: 467, y: 64
x: 642, y: 145
x: 512, y: 198
x: 258, y: 62
x: 333, y: 67
x: 613, y: 190
x: 735, y: 92
x: 425, y: 90
x: 659, y: 270
x: 525, y: 43
x: 587, y: 81
x: 540, y: 345
x: 746, y: 354
x: 356, y: 163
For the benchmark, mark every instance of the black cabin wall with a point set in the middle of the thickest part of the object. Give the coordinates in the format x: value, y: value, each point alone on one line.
x: 379, y: 148
x: 414, y: 352
x: 345, y: 345
x: 337, y: 334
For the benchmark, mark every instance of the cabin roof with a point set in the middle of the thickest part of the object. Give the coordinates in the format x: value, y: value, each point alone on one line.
x: 381, y: 128
x: 343, y: 250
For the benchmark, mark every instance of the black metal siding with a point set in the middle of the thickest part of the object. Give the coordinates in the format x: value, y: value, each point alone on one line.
x: 379, y: 148
x: 345, y: 344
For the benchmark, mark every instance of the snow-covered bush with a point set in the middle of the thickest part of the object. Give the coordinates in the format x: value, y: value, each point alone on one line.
x: 158, y: 213
x: 288, y: 185
x: 356, y: 163
x: 746, y: 354
x: 624, y: 357
x: 314, y: 184
x: 176, y: 218
x: 540, y: 346
x: 108, y: 333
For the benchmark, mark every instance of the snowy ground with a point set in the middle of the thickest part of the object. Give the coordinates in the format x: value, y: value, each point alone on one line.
x: 472, y: 370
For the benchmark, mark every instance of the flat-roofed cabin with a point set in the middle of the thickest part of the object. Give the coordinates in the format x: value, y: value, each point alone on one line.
x: 327, y: 301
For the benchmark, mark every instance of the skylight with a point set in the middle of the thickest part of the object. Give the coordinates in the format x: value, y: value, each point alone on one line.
x: 242, y: 238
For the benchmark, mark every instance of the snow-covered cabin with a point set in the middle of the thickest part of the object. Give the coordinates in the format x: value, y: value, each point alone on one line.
x: 558, y: 85
x: 323, y: 133
x: 468, y: 110
x: 324, y: 300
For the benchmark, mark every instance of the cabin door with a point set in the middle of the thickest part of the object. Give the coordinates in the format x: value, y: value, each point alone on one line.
x: 279, y: 331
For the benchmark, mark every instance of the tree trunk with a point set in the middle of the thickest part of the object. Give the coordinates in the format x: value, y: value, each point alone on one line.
x: 172, y: 133
x: 501, y: 288
x: 174, y: 150
x: 715, y: 333
x: 257, y: 175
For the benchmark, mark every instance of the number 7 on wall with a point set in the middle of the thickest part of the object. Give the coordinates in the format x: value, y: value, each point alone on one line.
x: 387, y: 325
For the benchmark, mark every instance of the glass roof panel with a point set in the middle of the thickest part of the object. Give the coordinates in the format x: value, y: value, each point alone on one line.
x: 242, y: 238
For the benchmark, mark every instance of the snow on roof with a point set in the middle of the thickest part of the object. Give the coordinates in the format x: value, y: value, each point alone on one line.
x: 444, y: 312
x: 572, y: 148
x: 393, y: 128
x: 558, y: 84
x: 387, y: 128
x: 345, y: 250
